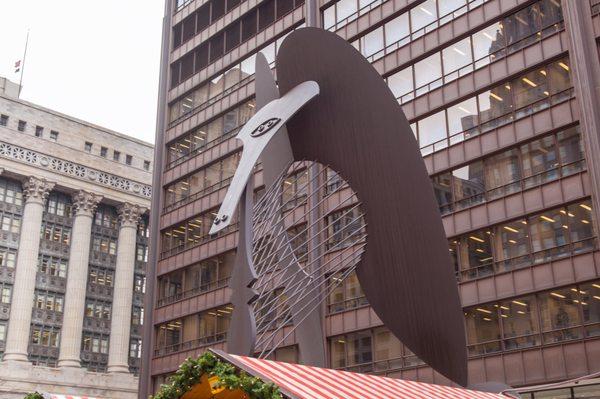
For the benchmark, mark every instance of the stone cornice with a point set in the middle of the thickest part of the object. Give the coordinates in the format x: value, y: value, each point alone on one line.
x: 36, y: 190
x: 72, y: 169
x: 130, y: 214
x: 85, y: 203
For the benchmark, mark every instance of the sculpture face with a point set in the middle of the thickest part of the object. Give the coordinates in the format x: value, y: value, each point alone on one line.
x: 356, y: 126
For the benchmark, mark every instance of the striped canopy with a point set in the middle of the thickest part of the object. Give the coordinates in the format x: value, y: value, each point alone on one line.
x: 305, y: 382
x: 61, y: 396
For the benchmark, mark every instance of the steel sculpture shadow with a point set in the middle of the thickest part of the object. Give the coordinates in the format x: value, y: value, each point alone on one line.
x: 335, y: 109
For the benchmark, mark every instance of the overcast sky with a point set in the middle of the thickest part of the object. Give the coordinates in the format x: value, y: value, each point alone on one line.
x: 97, y: 60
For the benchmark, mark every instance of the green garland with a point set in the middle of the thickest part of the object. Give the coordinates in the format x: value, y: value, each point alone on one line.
x: 34, y: 395
x: 191, y: 370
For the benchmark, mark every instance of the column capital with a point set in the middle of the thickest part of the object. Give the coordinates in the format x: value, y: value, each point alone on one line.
x: 130, y: 214
x: 85, y: 203
x: 36, y: 189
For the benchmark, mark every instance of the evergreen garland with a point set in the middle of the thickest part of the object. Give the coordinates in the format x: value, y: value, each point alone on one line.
x: 191, y: 370
x: 34, y: 395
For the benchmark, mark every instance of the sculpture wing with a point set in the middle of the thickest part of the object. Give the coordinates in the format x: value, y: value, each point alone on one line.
x: 357, y: 127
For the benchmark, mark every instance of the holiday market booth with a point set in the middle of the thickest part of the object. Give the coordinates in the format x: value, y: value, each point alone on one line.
x: 220, y: 375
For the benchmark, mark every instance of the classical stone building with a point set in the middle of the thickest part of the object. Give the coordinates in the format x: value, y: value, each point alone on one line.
x: 500, y: 95
x: 73, y: 250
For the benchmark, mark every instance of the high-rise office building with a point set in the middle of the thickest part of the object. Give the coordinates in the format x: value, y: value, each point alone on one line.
x: 73, y: 250
x: 500, y: 98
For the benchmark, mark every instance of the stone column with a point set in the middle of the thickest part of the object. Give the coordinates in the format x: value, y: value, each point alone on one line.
x: 120, y: 324
x: 84, y: 205
x: 35, y: 192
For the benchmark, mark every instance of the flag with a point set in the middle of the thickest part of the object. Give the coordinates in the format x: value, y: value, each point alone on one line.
x: 17, y: 66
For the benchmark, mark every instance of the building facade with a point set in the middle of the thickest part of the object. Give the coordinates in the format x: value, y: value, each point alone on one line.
x: 73, y: 252
x: 498, y: 96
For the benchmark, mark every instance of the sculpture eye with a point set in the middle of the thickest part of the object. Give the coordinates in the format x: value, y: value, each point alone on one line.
x: 265, y: 127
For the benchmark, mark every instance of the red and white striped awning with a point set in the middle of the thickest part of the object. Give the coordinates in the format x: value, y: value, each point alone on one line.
x: 304, y: 382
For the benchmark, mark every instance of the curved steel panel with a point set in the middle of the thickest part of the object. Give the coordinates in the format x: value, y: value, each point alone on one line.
x: 357, y: 127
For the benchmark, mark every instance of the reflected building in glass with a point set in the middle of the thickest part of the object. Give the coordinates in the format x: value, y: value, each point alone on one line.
x: 496, y: 96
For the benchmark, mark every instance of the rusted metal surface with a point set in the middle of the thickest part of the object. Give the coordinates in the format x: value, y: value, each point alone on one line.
x: 357, y: 127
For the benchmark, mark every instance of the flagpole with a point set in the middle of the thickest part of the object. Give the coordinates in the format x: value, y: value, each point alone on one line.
x: 23, y: 66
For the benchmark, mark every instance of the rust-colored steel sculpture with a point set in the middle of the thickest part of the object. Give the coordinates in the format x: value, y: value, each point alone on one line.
x: 349, y: 120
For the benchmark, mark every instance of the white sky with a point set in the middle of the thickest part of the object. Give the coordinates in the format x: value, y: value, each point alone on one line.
x: 96, y: 60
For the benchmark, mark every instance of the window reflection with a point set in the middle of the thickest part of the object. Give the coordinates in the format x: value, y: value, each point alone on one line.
x: 546, y: 236
x: 545, y: 318
x: 370, y: 350
x: 475, y: 254
x: 515, y: 169
x: 483, y: 329
x: 201, y: 137
x: 481, y: 48
x: 490, y: 109
x: 213, y: 177
x: 346, y: 294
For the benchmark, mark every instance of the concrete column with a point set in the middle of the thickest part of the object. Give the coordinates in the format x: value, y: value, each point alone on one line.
x: 120, y: 324
x: 35, y: 192
x: 585, y: 67
x: 84, y: 205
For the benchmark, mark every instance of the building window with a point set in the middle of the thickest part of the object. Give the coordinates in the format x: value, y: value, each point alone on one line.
x: 205, y: 135
x: 103, y: 277
x: 48, y: 301
x: 516, y: 169
x: 139, y: 284
x: 106, y: 216
x: 56, y: 233
x: 142, y: 253
x: 562, y: 314
x: 374, y: 350
x: 189, y: 233
x: 103, y: 151
x: 5, y: 292
x: 39, y: 131
x: 128, y: 159
x: 8, y: 257
x: 53, y: 135
x: 344, y: 228
x: 2, y: 332
x: 45, y: 336
x: 11, y: 192
x: 146, y: 165
x: 209, y: 179
x: 137, y: 316
x: 52, y: 266
x: 501, y: 104
x: 346, y: 294
x: 97, y: 309
x: 294, y: 189
x: 94, y: 343
x: 116, y: 156
x: 142, y: 229
x: 205, y: 328
x: 88, y: 146
x: 135, y: 348
x: 351, y: 349
x: 552, y: 234
x: 104, y: 244
x: 59, y: 204
x: 201, y: 277
x: 11, y: 223
x: 298, y: 239
x: 21, y: 126
x: 3, y: 120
